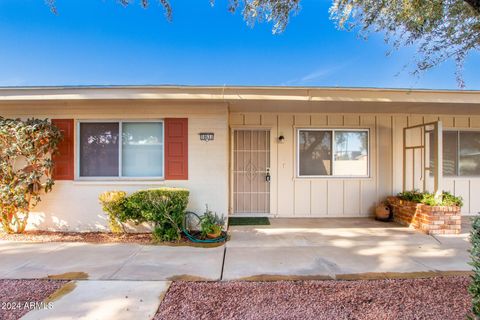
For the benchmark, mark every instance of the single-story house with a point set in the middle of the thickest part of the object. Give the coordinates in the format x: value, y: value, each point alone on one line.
x: 268, y: 151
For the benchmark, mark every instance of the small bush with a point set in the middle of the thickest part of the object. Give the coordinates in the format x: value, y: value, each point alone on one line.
x: 162, y: 207
x: 446, y: 199
x: 160, y: 234
x: 413, y: 196
x: 474, y: 287
x: 113, y: 204
x: 449, y: 199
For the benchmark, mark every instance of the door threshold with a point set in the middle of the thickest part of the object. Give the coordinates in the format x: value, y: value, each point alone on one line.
x: 251, y: 215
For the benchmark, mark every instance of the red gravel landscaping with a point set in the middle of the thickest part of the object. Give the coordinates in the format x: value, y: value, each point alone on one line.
x: 434, y: 298
x: 17, y: 296
x: 92, y: 237
x: 97, y: 237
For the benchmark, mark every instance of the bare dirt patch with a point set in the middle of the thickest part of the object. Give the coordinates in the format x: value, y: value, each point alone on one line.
x: 97, y: 237
x: 17, y: 297
x: 433, y: 298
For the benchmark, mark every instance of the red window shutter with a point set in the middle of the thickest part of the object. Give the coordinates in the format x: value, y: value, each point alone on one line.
x: 63, y: 160
x: 176, y: 149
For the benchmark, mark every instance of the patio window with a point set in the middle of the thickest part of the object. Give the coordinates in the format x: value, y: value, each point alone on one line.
x: 461, y: 153
x: 121, y: 149
x: 332, y: 152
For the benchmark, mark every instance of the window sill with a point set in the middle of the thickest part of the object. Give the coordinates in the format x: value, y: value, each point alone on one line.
x: 461, y: 178
x: 139, y: 182
x: 332, y: 178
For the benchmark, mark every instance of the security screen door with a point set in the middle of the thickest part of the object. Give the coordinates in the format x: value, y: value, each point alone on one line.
x: 251, y: 170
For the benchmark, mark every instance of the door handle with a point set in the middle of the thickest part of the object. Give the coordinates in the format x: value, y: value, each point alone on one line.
x: 267, y: 176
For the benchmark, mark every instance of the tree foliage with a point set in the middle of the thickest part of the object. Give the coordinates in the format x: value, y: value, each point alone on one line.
x: 25, y: 168
x: 440, y: 29
x: 277, y: 12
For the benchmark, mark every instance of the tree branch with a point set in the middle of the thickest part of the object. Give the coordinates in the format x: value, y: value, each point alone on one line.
x: 475, y: 4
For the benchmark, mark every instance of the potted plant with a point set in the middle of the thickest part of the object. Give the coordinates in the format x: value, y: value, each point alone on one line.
x: 211, y: 224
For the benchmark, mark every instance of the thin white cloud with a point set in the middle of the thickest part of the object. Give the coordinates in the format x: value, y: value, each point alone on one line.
x: 317, y: 74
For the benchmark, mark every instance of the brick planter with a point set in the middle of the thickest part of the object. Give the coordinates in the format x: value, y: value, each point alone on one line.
x: 428, y: 219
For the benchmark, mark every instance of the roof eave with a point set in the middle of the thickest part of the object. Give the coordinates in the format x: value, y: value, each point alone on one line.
x: 236, y: 93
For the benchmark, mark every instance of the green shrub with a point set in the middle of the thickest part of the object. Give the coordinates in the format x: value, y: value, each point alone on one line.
x: 446, y: 199
x: 162, y: 207
x: 161, y: 234
x: 113, y: 204
x: 26, y: 168
x: 413, y: 196
x: 474, y: 287
x: 449, y: 199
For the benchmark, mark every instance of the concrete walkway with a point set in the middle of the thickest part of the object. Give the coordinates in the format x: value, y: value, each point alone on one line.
x: 286, y: 249
x: 340, y: 249
x: 104, y: 300
x: 109, y: 261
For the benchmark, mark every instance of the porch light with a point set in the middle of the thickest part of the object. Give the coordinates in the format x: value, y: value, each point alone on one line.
x: 207, y: 136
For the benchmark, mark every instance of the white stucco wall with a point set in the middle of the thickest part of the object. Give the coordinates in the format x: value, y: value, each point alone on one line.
x: 73, y: 205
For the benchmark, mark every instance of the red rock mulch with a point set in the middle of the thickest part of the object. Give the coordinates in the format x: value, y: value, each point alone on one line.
x: 433, y: 298
x: 17, y: 297
x: 92, y: 237
x: 97, y: 237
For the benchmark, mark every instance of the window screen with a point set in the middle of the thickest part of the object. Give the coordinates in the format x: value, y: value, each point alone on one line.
x: 332, y: 152
x: 469, y: 157
x: 99, y: 149
x: 351, y: 153
x: 315, y: 153
x: 135, y: 152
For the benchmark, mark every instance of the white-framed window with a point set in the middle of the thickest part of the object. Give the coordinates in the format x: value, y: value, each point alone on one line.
x: 333, y: 152
x: 461, y: 153
x: 120, y: 149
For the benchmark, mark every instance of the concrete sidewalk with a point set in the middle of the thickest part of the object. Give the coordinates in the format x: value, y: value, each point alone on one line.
x: 105, y: 300
x: 109, y: 261
x: 340, y: 249
x: 288, y: 248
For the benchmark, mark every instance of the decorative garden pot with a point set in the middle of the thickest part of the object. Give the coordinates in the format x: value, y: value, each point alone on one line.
x: 382, y: 212
x: 214, y: 235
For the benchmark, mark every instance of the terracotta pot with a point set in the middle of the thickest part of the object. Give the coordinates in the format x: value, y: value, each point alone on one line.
x: 382, y: 212
x: 214, y: 235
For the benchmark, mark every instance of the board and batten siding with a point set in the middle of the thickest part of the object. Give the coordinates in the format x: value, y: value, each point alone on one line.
x: 74, y: 205
x: 348, y: 197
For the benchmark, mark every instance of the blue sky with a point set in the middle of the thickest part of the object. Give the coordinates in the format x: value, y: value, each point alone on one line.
x: 99, y: 42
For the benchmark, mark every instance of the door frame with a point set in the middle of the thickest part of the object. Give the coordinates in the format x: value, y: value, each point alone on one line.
x: 425, y: 167
x: 273, y: 169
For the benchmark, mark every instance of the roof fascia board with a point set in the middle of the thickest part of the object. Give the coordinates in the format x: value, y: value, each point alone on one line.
x: 232, y: 94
